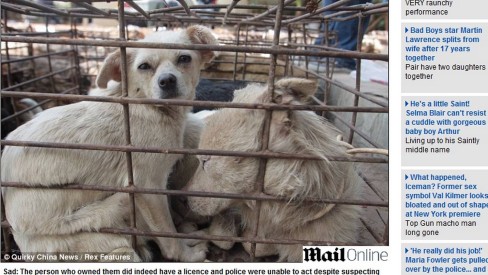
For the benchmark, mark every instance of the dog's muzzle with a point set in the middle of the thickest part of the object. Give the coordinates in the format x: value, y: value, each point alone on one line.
x: 168, y: 85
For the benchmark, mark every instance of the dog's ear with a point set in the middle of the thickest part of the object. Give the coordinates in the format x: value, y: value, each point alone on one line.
x: 289, y: 91
x: 293, y: 89
x: 202, y: 35
x: 110, y: 70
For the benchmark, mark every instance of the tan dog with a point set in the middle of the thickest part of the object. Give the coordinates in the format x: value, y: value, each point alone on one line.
x: 295, y: 132
x: 68, y: 220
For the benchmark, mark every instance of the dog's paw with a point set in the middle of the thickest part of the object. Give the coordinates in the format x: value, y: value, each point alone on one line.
x: 120, y: 199
x: 196, y: 253
x: 194, y: 250
x: 223, y: 244
x: 120, y: 208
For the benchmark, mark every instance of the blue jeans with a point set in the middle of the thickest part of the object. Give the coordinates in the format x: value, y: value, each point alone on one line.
x: 347, y: 33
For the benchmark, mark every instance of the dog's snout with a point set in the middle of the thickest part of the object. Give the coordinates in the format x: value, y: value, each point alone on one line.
x: 167, y: 83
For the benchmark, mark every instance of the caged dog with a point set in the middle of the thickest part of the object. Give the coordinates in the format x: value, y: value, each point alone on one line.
x: 293, y: 132
x: 51, y: 220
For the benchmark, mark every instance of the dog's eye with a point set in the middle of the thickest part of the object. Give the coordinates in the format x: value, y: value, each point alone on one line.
x: 144, y: 66
x: 183, y: 59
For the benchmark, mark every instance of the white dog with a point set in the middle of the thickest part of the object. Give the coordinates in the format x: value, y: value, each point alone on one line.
x: 293, y: 132
x: 68, y: 220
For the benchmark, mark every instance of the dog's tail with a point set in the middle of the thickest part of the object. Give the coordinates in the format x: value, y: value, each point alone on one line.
x: 31, y: 108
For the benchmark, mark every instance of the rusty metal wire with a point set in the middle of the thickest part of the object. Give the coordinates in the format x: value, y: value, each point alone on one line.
x: 221, y: 48
x: 138, y: 190
x: 184, y: 12
x: 182, y: 102
x: 132, y: 148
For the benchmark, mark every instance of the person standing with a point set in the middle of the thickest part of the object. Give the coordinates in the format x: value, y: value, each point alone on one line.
x: 347, y: 33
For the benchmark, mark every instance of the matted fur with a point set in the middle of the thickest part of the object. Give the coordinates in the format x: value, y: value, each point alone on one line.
x: 295, y: 132
x: 68, y: 220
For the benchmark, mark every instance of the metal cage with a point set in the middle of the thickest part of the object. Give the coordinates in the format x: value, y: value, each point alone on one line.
x: 277, y: 37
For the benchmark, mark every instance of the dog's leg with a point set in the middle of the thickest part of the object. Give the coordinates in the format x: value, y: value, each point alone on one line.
x: 184, y: 169
x: 110, y: 212
x: 154, y: 210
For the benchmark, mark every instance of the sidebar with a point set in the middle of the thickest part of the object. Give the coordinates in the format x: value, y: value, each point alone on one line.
x: 444, y: 136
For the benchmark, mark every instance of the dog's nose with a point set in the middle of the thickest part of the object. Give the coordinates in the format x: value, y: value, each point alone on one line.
x: 167, y: 83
